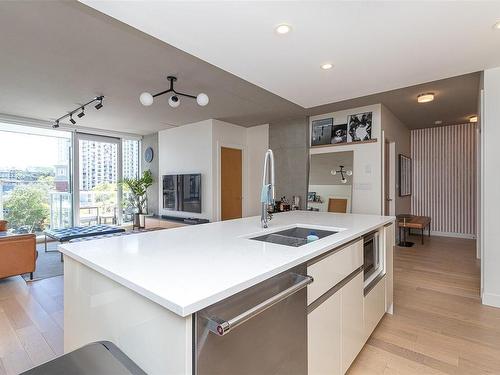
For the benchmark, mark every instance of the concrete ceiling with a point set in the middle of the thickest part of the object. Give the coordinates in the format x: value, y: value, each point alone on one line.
x: 375, y: 46
x: 456, y: 99
x: 56, y: 55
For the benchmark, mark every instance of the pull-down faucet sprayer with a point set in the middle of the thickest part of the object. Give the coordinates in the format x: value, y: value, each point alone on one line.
x: 267, y: 196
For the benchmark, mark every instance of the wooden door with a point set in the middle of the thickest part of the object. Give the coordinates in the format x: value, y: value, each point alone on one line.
x: 231, y: 183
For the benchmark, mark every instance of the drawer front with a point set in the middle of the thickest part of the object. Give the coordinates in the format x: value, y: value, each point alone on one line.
x: 374, y: 307
x: 329, y: 271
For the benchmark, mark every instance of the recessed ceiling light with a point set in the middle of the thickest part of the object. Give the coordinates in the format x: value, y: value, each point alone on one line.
x: 496, y: 26
x: 425, y: 98
x: 283, y: 28
x: 438, y: 122
x: 473, y: 119
x: 326, y: 66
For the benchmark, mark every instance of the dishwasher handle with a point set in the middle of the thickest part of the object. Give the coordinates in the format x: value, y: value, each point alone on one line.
x: 221, y: 327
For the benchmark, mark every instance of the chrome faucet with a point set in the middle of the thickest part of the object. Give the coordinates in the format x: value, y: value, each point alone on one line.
x: 267, y: 195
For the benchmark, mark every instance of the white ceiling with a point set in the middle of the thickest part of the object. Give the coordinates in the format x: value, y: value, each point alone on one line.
x: 374, y: 46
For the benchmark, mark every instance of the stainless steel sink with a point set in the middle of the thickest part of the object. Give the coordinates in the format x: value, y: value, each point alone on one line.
x: 294, y: 237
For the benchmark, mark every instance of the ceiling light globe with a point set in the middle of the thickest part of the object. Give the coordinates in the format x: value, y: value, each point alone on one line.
x: 202, y: 99
x: 344, y: 181
x: 283, y: 29
x: 349, y: 173
x: 174, y: 101
x: 333, y: 172
x: 425, y: 98
x: 146, y: 99
x: 326, y: 66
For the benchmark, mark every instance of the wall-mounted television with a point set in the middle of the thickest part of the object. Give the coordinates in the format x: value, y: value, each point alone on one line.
x: 182, y: 192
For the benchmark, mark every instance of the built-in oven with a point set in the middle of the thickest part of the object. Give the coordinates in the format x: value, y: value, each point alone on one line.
x: 373, y: 260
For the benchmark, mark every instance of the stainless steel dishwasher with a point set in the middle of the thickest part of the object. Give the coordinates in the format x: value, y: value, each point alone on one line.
x: 260, y: 331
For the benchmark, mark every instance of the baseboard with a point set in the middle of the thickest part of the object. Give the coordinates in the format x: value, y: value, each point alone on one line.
x: 456, y: 235
x: 491, y: 299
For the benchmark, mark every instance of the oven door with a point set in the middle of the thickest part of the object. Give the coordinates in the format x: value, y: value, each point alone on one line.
x: 372, y: 261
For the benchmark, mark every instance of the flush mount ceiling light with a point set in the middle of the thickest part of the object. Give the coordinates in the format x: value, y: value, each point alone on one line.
x: 425, y: 98
x: 283, y: 29
x: 342, y: 172
x: 326, y: 66
x: 147, y: 99
x: 81, y: 108
x: 473, y: 119
x: 438, y: 122
x: 496, y: 26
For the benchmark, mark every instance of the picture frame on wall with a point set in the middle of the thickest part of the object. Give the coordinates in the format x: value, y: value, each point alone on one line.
x: 339, y: 134
x: 321, y: 131
x: 360, y: 127
x: 405, y: 180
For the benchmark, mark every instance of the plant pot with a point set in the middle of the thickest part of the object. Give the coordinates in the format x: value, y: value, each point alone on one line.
x: 142, y: 221
x: 3, y: 225
x: 137, y: 220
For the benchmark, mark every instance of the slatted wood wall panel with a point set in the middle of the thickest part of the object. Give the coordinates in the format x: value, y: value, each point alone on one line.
x: 444, y: 177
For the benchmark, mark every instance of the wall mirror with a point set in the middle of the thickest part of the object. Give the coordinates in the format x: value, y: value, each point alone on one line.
x: 330, y: 182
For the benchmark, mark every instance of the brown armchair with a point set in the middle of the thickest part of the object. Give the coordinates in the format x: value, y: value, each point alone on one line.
x: 17, y: 254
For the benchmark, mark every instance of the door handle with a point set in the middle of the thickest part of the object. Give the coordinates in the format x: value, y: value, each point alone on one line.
x: 221, y: 327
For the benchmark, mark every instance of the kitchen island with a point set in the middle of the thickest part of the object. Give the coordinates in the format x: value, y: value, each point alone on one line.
x: 143, y: 292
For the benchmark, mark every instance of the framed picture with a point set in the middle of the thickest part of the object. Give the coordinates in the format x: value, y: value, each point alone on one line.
x: 311, y: 196
x: 322, y: 131
x: 339, y: 134
x: 360, y: 127
x: 404, y: 176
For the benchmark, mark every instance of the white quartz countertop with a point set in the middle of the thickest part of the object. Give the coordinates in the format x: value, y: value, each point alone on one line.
x: 189, y: 268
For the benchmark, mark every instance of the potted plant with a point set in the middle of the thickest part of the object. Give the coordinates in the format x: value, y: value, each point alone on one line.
x: 138, y: 188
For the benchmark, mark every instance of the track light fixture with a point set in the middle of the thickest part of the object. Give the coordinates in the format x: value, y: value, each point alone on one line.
x: 147, y: 99
x: 82, y: 109
x: 99, y: 105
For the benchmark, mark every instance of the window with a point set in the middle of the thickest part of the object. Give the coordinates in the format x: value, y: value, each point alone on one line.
x: 35, y: 178
x: 130, y: 162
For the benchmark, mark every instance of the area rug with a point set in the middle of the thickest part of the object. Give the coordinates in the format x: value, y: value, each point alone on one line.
x: 47, y: 264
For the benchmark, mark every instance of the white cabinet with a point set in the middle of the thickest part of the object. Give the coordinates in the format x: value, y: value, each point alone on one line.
x: 323, y: 338
x: 333, y: 268
x: 352, y: 320
x: 335, y: 329
x: 374, y: 307
x: 389, y: 241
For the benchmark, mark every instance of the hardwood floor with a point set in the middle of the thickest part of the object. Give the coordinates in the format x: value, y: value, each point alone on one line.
x: 438, y: 326
x: 31, y: 323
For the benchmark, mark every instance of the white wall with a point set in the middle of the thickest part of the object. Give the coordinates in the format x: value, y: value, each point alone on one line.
x: 195, y: 148
x: 188, y: 149
x: 490, y: 197
x: 367, y: 161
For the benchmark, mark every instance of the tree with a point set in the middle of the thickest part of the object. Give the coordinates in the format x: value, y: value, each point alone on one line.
x: 27, y: 207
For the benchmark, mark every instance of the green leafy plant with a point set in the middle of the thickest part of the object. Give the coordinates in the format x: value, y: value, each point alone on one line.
x: 27, y: 208
x: 138, y: 188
